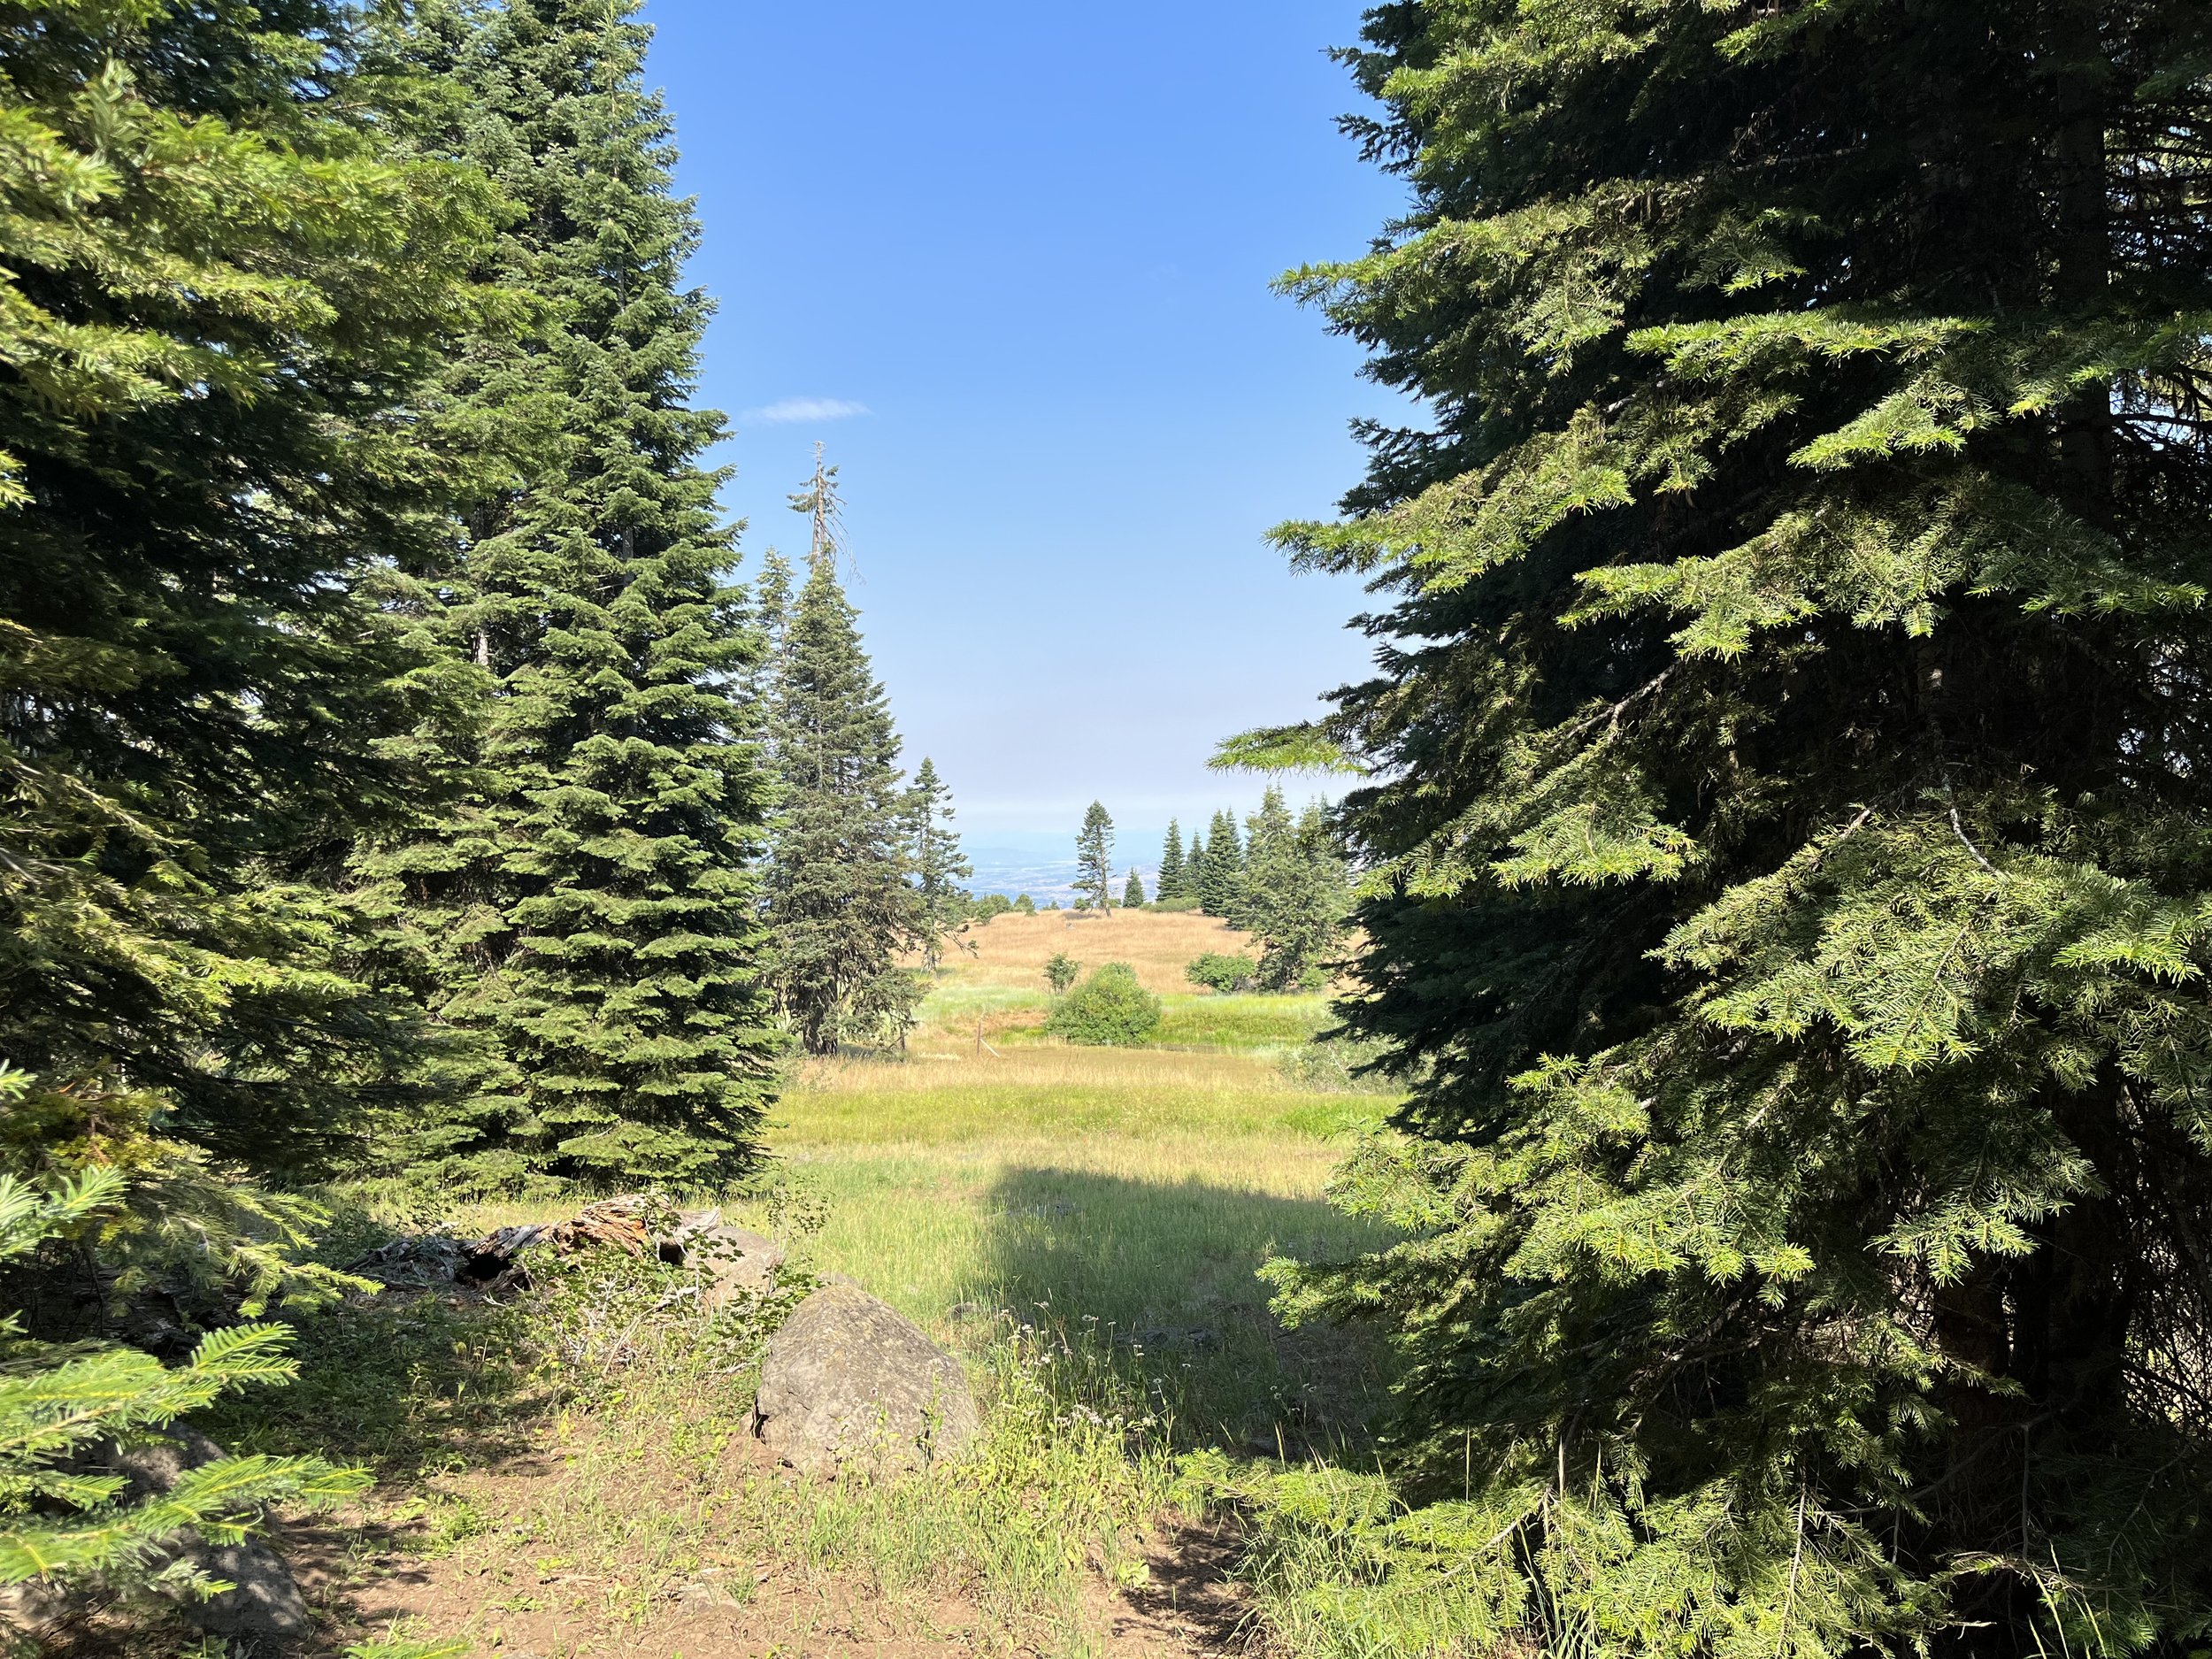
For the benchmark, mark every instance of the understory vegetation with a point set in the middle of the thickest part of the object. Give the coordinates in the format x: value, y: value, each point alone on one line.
x: 1702, y: 1151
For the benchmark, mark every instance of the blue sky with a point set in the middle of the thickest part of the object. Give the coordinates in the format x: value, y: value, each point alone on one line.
x: 1010, y: 263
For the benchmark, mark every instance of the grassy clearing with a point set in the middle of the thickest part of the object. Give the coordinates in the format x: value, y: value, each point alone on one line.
x: 1083, y: 1226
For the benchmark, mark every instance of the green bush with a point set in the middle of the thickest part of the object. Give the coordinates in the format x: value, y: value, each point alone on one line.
x: 1173, y: 907
x: 1223, y: 974
x: 62, y: 1525
x: 1109, y: 1010
x: 1060, y: 971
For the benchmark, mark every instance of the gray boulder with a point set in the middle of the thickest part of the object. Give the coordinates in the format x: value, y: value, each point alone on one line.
x: 847, y: 1382
x: 267, y: 1599
x: 735, y: 1262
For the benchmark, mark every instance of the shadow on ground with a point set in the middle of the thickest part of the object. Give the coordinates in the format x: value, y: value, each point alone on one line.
x: 1163, y: 1276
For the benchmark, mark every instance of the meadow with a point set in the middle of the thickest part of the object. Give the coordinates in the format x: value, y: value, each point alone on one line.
x: 1085, y: 1226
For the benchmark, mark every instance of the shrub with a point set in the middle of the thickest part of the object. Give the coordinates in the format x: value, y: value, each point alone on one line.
x: 1111, y: 1009
x: 62, y: 1525
x: 1173, y: 907
x: 1223, y: 974
x: 1026, y: 905
x: 983, y: 907
x: 1060, y: 971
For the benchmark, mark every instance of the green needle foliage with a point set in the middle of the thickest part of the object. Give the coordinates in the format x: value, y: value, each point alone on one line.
x: 590, y: 912
x: 70, y: 1528
x: 220, y: 294
x: 839, y: 903
x: 1220, y: 879
x: 1297, y: 894
x: 1787, y: 814
x: 1171, y: 868
x: 1094, y: 857
x: 1132, y: 893
x: 938, y: 863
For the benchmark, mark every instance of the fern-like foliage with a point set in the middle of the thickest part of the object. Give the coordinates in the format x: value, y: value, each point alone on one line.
x: 59, y: 1523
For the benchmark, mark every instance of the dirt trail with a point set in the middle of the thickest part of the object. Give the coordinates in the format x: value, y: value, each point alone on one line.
x: 369, y: 1583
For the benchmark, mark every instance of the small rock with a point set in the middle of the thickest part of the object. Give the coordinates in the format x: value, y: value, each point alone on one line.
x: 30, y: 1607
x: 849, y: 1382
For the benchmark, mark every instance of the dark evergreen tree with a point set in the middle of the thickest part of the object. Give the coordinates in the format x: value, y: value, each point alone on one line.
x: 938, y: 866
x: 590, y: 912
x: 1221, y: 885
x: 1132, y: 893
x: 1170, y: 885
x: 1297, y: 894
x: 1269, y: 856
x: 1094, y: 857
x: 223, y: 298
x: 1194, y: 870
x: 840, y: 902
x: 1787, y: 796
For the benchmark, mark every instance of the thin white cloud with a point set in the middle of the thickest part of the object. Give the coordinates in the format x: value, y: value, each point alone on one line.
x: 797, y: 411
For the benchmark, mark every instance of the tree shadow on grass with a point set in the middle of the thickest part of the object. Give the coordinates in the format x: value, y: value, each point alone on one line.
x: 407, y: 1384
x: 1162, y: 1276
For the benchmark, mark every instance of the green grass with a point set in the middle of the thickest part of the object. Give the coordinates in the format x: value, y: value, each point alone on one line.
x: 1243, y: 1023
x: 1083, y: 1226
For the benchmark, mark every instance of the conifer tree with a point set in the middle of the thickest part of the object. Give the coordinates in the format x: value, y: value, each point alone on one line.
x: 1785, y: 805
x: 1194, y: 870
x: 1132, y: 893
x: 1296, y: 895
x: 591, y: 911
x: 1270, y: 856
x: 839, y: 903
x: 1221, y: 892
x: 1094, y: 857
x: 223, y: 296
x: 1171, y: 882
x: 934, y: 855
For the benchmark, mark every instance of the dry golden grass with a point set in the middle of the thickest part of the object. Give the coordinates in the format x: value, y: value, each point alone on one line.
x: 1012, y: 949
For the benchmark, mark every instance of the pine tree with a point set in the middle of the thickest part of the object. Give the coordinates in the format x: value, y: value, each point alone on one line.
x: 1094, y: 857
x: 1171, y: 882
x: 223, y: 295
x: 1221, y: 890
x: 934, y: 855
x: 1297, y: 894
x: 1194, y: 870
x: 1270, y: 857
x: 1785, y: 816
x: 1133, y: 895
x: 839, y: 903
x: 591, y: 912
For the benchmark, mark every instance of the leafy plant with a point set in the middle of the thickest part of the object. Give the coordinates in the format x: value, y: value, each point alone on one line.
x: 1223, y: 973
x: 1109, y: 1010
x: 1061, y: 969
x: 61, y: 1525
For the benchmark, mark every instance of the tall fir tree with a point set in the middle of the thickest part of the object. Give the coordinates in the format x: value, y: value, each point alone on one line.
x: 1132, y: 891
x: 1221, y: 889
x: 938, y: 866
x: 1787, y: 815
x: 1297, y: 894
x: 1170, y: 885
x: 1094, y: 856
x: 1270, y: 855
x: 840, y: 905
x: 1194, y: 870
x: 223, y: 295
x: 590, y: 912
